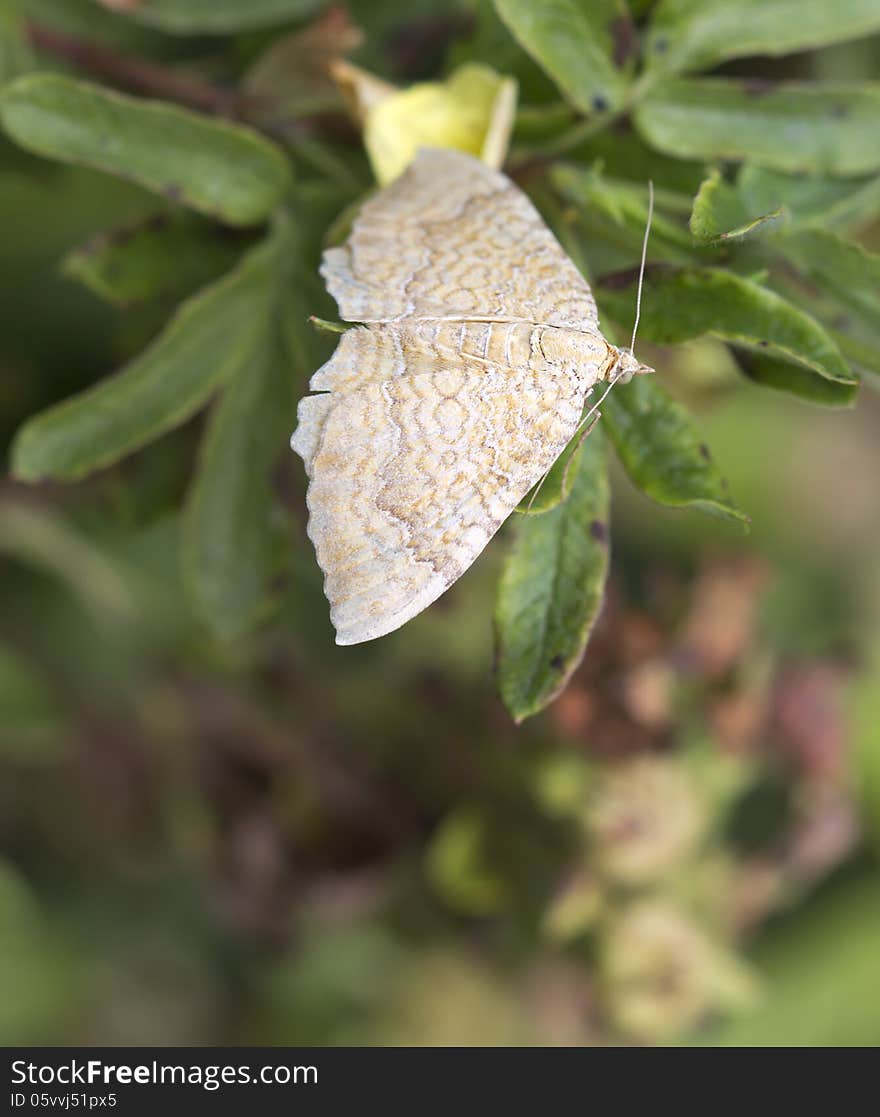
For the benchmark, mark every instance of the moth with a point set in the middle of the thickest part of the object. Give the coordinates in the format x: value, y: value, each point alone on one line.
x: 476, y: 348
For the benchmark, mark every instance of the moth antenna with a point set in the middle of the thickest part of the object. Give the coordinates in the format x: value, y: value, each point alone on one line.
x: 642, y: 265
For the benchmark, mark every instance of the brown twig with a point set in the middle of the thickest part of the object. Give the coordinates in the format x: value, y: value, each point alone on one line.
x: 135, y: 74
x: 154, y: 80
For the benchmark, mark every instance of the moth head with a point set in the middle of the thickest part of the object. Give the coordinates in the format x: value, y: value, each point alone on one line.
x: 626, y: 367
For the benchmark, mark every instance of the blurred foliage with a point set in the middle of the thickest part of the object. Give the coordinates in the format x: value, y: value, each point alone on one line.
x: 216, y: 827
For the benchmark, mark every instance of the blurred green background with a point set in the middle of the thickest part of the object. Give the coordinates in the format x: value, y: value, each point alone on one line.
x: 281, y: 841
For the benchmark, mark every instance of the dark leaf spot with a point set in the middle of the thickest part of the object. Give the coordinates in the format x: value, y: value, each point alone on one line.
x: 624, y: 39
x: 757, y: 87
x: 557, y: 663
x: 661, y: 44
x: 839, y: 111
x: 599, y: 531
x: 599, y: 103
x: 173, y: 192
x: 620, y: 280
x: 705, y: 452
x: 764, y: 344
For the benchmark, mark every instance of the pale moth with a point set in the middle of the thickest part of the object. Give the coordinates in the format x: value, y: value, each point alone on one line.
x: 468, y: 374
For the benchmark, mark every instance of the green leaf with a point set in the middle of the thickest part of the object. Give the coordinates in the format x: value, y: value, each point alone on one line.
x: 829, y: 202
x: 158, y: 390
x: 224, y: 170
x: 864, y: 357
x: 691, y: 34
x: 575, y: 42
x: 719, y: 213
x: 625, y: 155
x: 488, y: 39
x: 821, y: 129
x: 797, y: 381
x: 625, y: 206
x: 90, y: 19
x: 557, y: 484
x: 844, y: 270
x: 835, y: 281
x: 551, y: 589
x: 689, y: 302
x: 231, y: 549
x: 190, y: 17
x: 234, y: 544
x: 160, y: 256
x: 661, y: 450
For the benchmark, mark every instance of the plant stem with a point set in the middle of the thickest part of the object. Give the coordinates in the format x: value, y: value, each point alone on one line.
x: 592, y: 125
x: 135, y: 74
x: 154, y: 80
x: 578, y: 133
